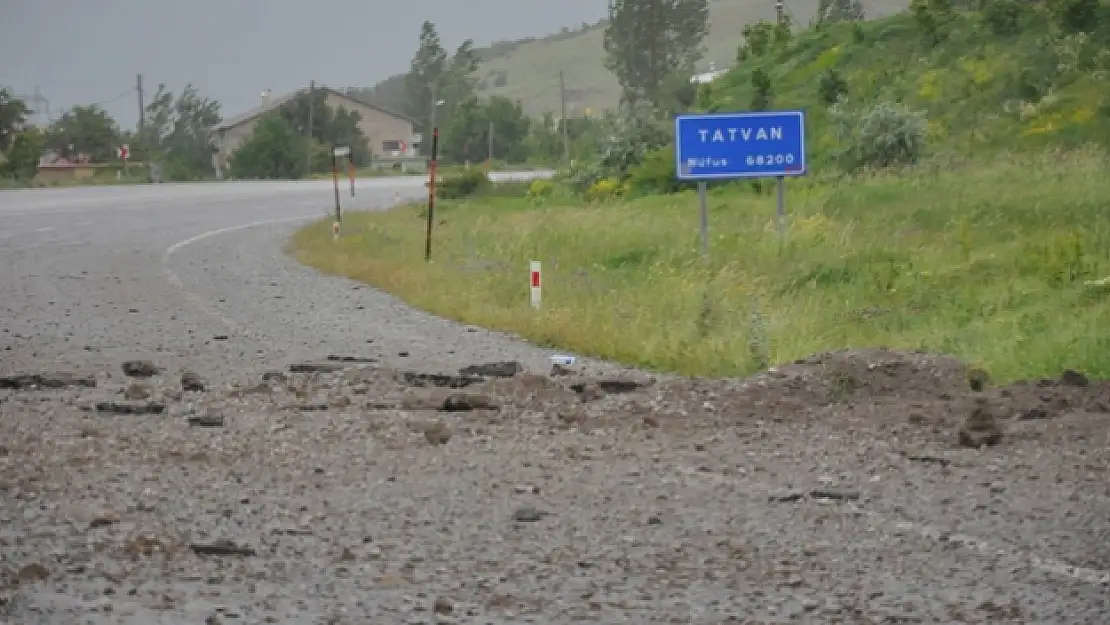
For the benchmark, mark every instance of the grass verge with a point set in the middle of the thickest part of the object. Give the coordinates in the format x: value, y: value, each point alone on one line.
x: 996, y: 263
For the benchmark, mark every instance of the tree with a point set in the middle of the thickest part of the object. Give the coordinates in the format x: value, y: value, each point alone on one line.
x: 87, y: 130
x: 458, y: 82
x: 13, y: 115
x: 424, y: 78
x: 23, y: 157
x: 273, y: 151
x: 762, y: 90
x: 330, y: 127
x: 467, y: 134
x: 646, y: 41
x: 176, y: 132
x: 832, y: 11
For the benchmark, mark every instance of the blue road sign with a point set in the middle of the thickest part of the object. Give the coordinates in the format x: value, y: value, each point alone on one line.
x: 763, y: 144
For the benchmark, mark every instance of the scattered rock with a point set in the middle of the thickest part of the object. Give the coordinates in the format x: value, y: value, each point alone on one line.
x: 352, y: 359
x: 140, y: 369
x: 33, y: 572
x: 506, y: 369
x: 277, y: 377
x: 191, y: 382
x: 1074, y: 378
x: 22, y: 381
x: 113, y: 407
x: 207, y: 421
x: 587, y: 391
x: 423, y: 380
x: 221, y: 548
x: 437, y: 434
x: 316, y: 367
x: 136, y: 391
x: 573, y: 416
x: 980, y: 428
x: 528, y: 514
x: 103, y: 519
x: 466, y: 402
x: 558, y: 370
x: 837, y: 495
x: 977, y: 380
x: 443, y: 606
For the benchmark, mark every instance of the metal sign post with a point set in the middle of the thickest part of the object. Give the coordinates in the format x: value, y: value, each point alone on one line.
x: 729, y: 146
x: 431, y: 195
x: 335, y: 154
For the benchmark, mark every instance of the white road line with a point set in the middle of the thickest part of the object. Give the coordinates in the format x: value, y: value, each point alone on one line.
x: 193, y: 297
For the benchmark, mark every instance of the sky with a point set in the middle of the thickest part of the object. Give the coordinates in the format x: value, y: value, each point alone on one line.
x: 90, y: 51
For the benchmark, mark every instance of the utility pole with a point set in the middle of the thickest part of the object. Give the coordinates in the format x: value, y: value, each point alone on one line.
x: 563, y: 116
x: 142, y: 105
x: 311, y: 112
x: 141, y: 138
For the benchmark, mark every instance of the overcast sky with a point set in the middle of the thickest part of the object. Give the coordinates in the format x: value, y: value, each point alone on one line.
x: 86, y: 51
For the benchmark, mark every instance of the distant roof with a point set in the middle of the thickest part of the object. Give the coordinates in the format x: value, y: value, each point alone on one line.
x: 237, y: 120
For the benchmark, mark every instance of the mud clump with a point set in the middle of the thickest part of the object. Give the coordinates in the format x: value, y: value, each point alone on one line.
x: 980, y: 428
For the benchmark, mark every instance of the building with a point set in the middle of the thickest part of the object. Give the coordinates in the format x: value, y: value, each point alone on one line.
x: 708, y: 77
x: 392, y: 136
x: 54, y: 169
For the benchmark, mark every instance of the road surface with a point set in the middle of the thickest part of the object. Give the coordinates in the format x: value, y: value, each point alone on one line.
x: 360, y: 496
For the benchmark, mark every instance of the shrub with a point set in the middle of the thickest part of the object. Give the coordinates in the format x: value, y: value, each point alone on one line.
x: 462, y: 184
x: 1076, y: 15
x: 656, y: 174
x: 605, y: 189
x: 540, y: 189
x: 832, y: 86
x: 886, y: 135
x: 1004, y: 17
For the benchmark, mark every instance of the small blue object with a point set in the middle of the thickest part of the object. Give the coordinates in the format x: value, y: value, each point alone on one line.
x: 764, y: 144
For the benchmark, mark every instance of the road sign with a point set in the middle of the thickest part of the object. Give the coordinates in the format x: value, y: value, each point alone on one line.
x: 123, y: 151
x: 764, y: 144
x: 342, y: 151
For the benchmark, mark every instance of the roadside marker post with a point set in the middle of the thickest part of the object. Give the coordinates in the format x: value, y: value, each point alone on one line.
x: 730, y: 146
x: 535, y: 282
x: 336, y: 152
x: 351, y: 169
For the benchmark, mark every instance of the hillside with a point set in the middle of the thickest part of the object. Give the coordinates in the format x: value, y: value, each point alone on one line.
x: 530, y: 67
x: 980, y: 90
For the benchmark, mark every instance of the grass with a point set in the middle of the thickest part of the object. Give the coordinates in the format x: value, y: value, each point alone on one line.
x: 993, y: 263
x: 532, y: 68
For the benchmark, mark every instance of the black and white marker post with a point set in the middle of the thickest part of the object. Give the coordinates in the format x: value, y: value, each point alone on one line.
x: 336, y: 152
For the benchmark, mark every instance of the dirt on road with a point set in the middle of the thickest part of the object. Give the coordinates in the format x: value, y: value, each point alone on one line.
x: 852, y: 487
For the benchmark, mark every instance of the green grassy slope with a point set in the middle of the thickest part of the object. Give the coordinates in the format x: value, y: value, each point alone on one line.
x: 980, y: 92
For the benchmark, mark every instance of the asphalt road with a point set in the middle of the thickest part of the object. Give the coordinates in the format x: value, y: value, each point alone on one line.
x: 97, y: 275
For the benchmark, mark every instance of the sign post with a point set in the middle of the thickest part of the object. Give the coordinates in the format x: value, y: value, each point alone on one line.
x: 534, y: 282
x: 431, y: 195
x: 729, y: 146
x: 336, y: 152
x: 124, y: 151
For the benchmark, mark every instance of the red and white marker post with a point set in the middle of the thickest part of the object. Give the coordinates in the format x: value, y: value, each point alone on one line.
x: 535, y: 283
